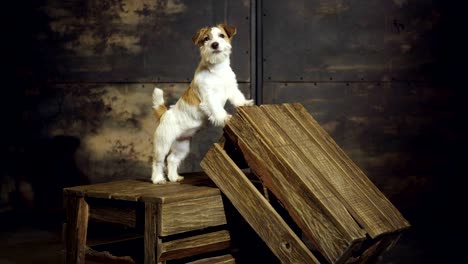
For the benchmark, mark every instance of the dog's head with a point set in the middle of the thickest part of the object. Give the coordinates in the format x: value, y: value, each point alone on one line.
x: 215, y: 42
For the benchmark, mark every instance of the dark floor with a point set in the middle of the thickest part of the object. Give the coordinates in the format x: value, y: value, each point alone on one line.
x: 30, y: 242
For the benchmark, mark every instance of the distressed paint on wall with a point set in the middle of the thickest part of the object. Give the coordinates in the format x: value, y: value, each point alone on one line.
x: 85, y: 72
x: 115, y: 124
x: 350, y: 40
x: 133, y: 41
x: 107, y: 27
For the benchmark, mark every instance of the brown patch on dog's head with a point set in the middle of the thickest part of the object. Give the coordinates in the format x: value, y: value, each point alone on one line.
x: 228, y: 30
x: 200, y: 36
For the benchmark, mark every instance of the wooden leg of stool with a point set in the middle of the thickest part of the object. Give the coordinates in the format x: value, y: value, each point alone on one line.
x: 151, y: 233
x: 77, y: 211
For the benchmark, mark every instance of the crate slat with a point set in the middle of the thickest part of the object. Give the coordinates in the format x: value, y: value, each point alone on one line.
x: 255, y: 209
x: 195, y: 245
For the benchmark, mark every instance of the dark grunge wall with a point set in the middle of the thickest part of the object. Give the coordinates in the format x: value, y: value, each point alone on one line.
x: 384, y: 78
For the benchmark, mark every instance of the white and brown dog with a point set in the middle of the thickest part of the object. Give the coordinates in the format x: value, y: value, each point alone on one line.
x: 213, y: 84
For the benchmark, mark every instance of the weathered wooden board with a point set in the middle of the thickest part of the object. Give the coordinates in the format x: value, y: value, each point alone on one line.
x: 255, y: 209
x: 195, y: 245
x: 77, y: 214
x: 113, y: 213
x: 144, y: 190
x: 322, y: 217
x: 183, y: 216
x: 151, y: 239
x: 297, y: 139
x: 106, y: 257
x: 327, y: 152
x: 328, y: 196
x: 224, y: 259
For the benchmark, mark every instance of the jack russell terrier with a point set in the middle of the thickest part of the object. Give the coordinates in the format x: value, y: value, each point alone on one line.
x: 213, y: 84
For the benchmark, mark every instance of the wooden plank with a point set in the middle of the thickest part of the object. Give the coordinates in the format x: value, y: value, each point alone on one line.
x: 193, y: 214
x: 181, y: 194
x: 366, y: 197
x: 150, y: 236
x: 225, y: 259
x: 77, y: 212
x: 194, y: 245
x: 196, y: 185
x: 103, y: 190
x: 106, y: 257
x: 255, y: 209
x: 136, y: 193
x: 325, y: 174
x: 123, y: 216
x: 377, y: 247
x: 293, y: 194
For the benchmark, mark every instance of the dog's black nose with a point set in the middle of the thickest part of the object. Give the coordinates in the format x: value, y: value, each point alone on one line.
x: 215, y: 45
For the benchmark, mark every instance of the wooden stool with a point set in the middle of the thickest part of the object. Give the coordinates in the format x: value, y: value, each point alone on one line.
x: 163, y: 213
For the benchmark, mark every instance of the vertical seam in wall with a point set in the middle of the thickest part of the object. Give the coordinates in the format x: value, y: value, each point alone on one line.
x: 253, y: 62
x: 258, y: 51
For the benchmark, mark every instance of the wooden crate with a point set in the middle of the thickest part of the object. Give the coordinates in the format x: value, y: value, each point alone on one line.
x: 175, y: 220
x: 339, y: 211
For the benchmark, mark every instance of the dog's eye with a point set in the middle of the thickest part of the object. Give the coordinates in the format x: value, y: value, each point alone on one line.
x: 206, y: 39
x: 221, y: 35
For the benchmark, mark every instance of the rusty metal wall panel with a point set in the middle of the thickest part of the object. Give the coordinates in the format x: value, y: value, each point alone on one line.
x: 350, y: 40
x: 133, y: 41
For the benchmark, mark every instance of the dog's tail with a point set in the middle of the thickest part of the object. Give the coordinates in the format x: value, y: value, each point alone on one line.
x: 158, y: 103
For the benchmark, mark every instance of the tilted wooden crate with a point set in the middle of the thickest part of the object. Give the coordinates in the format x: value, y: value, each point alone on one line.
x: 338, y: 209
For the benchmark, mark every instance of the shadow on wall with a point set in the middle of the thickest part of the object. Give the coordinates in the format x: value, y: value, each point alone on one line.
x: 37, y: 178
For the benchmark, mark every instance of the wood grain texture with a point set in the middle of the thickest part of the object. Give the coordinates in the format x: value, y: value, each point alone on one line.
x: 317, y: 169
x: 123, y: 216
x: 268, y: 224
x: 278, y: 177
x: 361, y: 197
x: 192, y: 214
x: 144, y: 190
x: 106, y: 257
x: 150, y: 236
x: 225, y: 259
x: 323, y: 190
x: 376, y: 249
x: 292, y: 134
x: 77, y: 212
x: 165, y: 210
x: 195, y: 245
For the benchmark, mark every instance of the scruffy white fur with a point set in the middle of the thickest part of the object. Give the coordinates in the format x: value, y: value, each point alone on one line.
x: 213, y: 84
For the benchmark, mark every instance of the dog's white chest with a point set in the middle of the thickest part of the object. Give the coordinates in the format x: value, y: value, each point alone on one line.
x: 216, y: 81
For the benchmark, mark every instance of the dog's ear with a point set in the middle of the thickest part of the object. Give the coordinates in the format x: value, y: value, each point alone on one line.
x: 198, y: 38
x: 230, y: 30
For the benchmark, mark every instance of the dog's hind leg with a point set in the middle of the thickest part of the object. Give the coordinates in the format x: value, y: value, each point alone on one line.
x: 179, y: 150
x: 157, y: 176
x: 161, y: 148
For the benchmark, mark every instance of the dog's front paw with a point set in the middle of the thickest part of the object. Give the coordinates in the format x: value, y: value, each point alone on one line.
x: 220, y: 122
x: 248, y: 103
x: 227, y: 119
